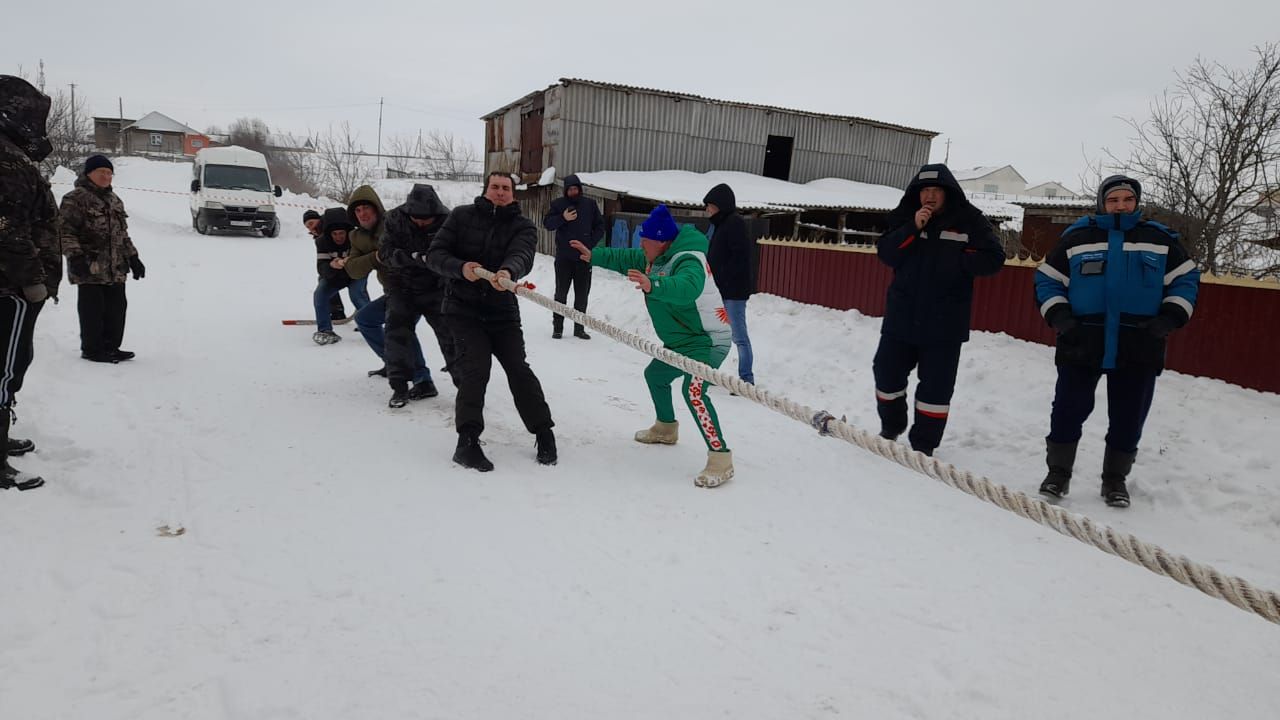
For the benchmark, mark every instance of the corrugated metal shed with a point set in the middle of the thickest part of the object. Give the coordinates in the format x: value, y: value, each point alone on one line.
x: 591, y: 126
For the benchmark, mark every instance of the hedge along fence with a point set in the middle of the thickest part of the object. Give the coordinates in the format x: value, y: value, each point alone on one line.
x: 1234, y: 335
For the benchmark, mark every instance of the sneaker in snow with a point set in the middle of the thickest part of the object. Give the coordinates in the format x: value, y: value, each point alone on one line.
x: 326, y: 337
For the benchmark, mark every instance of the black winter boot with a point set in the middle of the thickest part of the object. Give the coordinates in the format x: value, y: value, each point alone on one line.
x: 469, y: 454
x: 1061, y: 458
x: 399, y: 397
x: 11, y: 477
x: 1115, y: 470
x: 546, y: 447
x: 423, y: 390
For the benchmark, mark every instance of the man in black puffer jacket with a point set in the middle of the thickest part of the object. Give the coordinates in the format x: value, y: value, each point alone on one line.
x: 413, y: 289
x: 573, y: 217
x: 484, y: 318
x: 939, y: 243
x: 730, y: 260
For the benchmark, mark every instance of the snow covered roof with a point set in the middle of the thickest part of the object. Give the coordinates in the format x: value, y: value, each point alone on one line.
x: 158, y: 122
x: 1058, y: 202
x: 698, y: 98
x: 288, y: 141
x: 983, y: 171
x: 753, y: 192
x: 1048, y: 183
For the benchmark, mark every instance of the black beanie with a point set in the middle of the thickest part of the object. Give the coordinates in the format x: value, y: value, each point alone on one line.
x: 97, y: 161
x: 310, y: 215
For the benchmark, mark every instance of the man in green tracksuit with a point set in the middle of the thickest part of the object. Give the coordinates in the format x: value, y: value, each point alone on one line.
x: 670, y: 268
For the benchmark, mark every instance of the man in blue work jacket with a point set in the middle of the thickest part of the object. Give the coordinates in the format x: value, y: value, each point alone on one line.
x: 1113, y: 289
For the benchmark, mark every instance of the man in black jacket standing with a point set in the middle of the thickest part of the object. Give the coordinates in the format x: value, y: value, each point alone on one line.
x: 573, y: 217
x: 485, y: 319
x: 413, y: 291
x: 939, y: 243
x: 730, y: 260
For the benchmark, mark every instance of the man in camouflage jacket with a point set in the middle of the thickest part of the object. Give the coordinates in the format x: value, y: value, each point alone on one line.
x: 30, y: 263
x: 100, y: 256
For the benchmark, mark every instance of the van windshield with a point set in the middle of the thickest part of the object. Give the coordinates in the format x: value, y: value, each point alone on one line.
x: 236, y: 177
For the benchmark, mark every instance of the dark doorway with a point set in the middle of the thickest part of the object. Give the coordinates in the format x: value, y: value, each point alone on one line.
x: 531, y: 138
x: 777, y: 157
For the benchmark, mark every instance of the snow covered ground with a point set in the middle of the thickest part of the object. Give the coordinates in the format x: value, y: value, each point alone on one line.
x: 334, y: 564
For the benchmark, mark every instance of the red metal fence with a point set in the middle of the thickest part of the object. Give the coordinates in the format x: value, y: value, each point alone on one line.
x: 1234, y: 336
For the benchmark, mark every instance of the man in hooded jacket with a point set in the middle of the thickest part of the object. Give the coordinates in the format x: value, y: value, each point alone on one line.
x: 939, y: 243
x: 368, y: 219
x: 573, y: 217
x: 1114, y: 288
x: 333, y: 246
x: 30, y: 259
x: 413, y: 289
x: 730, y: 260
x: 484, y: 317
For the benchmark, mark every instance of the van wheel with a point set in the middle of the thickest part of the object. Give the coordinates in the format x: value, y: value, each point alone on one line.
x: 200, y: 223
x: 272, y: 230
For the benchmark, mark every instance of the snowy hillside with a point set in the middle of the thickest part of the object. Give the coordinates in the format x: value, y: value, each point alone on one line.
x: 236, y: 526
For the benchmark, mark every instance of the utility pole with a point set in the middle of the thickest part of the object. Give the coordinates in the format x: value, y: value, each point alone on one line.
x: 73, y: 115
x: 120, y: 130
x: 947, y: 159
x: 379, y: 131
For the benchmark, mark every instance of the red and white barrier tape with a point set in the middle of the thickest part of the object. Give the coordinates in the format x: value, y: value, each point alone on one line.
x: 229, y: 200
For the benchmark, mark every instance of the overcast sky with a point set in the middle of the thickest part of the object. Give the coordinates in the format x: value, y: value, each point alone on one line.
x: 1023, y: 83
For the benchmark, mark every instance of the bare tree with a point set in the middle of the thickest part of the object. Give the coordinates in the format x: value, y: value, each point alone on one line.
x: 1209, y: 160
x: 342, y: 163
x: 451, y: 156
x: 69, y: 129
x: 405, y: 152
x: 251, y: 133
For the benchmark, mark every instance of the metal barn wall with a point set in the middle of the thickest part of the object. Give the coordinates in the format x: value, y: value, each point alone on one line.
x: 1230, y: 337
x: 607, y: 129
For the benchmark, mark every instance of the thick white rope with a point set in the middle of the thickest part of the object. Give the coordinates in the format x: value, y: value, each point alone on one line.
x: 1204, y: 578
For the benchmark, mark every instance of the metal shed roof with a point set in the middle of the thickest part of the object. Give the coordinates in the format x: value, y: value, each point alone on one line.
x: 698, y: 98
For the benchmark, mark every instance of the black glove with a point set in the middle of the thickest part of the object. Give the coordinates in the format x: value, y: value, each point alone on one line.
x: 1160, y: 326
x: 1062, y: 320
x: 78, y: 265
x: 139, y: 270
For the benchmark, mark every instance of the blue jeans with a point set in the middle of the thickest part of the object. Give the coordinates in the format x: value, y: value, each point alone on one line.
x: 737, y: 311
x: 357, y: 291
x: 371, y: 319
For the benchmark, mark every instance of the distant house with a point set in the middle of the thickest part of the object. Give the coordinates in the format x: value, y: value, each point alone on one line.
x: 994, y: 180
x: 287, y: 142
x: 1044, y: 221
x: 152, y: 133
x: 1051, y: 189
x: 106, y: 132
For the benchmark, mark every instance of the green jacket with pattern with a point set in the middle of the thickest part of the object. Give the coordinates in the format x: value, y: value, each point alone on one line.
x: 686, y: 309
x: 95, y: 228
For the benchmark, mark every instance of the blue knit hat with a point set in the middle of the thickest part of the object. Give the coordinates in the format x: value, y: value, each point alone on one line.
x: 659, y: 225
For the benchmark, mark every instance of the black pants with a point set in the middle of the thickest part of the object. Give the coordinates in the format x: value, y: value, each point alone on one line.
x: 403, y: 311
x: 102, y: 310
x: 937, y: 366
x: 477, y: 341
x: 577, y: 273
x: 1129, y: 395
x: 17, y: 326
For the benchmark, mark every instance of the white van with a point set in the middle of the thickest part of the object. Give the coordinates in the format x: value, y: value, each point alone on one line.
x: 232, y: 190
